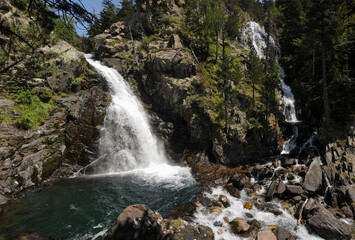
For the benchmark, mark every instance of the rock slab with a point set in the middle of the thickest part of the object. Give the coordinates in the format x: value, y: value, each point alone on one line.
x: 313, y: 179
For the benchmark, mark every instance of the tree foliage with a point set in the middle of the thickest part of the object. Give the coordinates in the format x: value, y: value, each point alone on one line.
x: 318, y: 45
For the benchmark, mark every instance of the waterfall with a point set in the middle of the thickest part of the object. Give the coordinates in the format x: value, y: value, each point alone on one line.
x: 290, y: 143
x: 252, y: 31
x: 127, y: 141
x: 288, y: 99
x: 127, y: 144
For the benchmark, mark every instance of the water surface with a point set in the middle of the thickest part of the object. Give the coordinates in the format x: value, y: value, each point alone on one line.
x: 87, y: 207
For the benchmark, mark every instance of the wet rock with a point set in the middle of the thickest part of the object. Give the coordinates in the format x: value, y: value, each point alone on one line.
x: 205, y: 201
x: 218, y: 224
x: 216, y: 203
x: 313, y: 179
x: 254, y: 225
x: 281, y: 188
x: 248, y: 215
x: 284, y: 234
x: 270, y: 207
x: 239, y: 180
x: 326, y: 225
x: 264, y: 173
x: 216, y: 210
x: 137, y: 222
x: 232, y: 190
x: 271, y: 190
x: 248, y: 205
x: 185, y: 211
x: 287, y: 162
x: 266, y: 235
x: 293, y: 190
x: 224, y: 200
x: 239, y: 225
x: 189, y: 231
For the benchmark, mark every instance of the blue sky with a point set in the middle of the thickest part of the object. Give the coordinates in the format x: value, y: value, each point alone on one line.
x: 91, y: 6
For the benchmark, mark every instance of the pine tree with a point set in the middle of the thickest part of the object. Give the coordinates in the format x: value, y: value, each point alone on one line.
x: 255, y: 69
x: 269, y: 84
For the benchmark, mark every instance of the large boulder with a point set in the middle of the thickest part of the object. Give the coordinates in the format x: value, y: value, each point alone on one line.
x: 139, y: 222
x: 324, y: 223
x: 314, y: 176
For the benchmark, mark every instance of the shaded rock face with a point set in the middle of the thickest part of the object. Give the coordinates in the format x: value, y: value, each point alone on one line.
x: 89, y: 112
x: 29, y: 158
x: 139, y: 222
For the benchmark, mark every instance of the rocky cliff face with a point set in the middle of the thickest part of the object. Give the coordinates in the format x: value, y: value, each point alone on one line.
x: 147, y: 49
x: 48, y: 122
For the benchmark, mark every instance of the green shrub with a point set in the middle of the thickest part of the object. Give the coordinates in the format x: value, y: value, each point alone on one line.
x: 45, y: 95
x: 26, y: 95
x: 28, y: 120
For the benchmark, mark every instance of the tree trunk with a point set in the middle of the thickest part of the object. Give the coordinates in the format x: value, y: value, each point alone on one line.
x: 325, y: 93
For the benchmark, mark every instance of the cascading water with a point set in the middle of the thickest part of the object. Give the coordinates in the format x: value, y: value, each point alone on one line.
x: 251, y: 31
x: 127, y: 144
x: 127, y: 141
x: 288, y: 100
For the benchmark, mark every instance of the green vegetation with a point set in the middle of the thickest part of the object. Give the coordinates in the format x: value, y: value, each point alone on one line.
x: 31, y: 109
x: 318, y: 47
